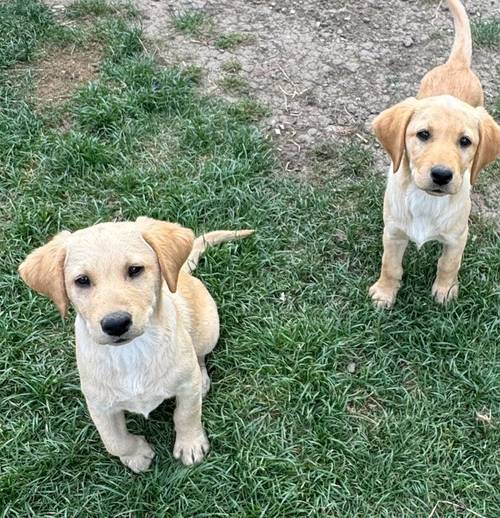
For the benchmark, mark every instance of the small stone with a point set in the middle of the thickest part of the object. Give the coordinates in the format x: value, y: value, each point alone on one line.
x: 408, y: 42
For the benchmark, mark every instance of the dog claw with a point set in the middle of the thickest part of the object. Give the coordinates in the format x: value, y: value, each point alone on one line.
x: 382, y: 296
x: 444, y: 294
x: 192, y: 451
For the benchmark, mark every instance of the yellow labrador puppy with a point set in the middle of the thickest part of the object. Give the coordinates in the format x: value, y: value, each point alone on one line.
x: 438, y: 142
x: 143, y: 325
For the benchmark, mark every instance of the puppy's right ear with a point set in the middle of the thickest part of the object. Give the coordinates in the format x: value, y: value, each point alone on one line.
x: 489, y: 143
x: 172, y: 245
x: 43, y: 270
x: 390, y: 129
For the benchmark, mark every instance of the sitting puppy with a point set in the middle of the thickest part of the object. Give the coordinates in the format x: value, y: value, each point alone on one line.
x: 143, y: 327
x: 438, y: 143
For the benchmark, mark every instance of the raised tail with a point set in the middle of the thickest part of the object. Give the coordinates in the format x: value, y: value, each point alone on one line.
x: 461, y: 52
x: 201, y: 243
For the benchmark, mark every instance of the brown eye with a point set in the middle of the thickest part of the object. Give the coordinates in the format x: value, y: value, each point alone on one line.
x: 134, y: 271
x: 423, y: 135
x: 82, y: 281
x: 465, y: 142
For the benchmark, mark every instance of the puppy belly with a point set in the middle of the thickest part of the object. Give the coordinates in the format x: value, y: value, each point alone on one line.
x: 118, y: 400
x: 142, y: 406
x: 420, y: 231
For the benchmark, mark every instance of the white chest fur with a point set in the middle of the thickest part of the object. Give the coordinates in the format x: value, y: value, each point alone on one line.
x: 423, y: 217
x: 136, y: 376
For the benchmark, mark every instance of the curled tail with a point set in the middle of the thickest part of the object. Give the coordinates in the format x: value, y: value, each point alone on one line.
x: 201, y: 243
x: 461, y: 52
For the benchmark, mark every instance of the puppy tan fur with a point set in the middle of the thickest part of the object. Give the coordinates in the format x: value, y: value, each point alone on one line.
x: 438, y: 143
x: 143, y: 327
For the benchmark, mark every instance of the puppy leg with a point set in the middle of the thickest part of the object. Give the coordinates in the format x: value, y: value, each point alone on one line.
x: 205, y: 379
x: 445, y: 287
x: 191, y: 443
x: 384, y: 291
x: 133, y: 450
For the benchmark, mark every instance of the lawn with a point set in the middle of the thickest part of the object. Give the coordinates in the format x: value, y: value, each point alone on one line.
x: 320, y: 404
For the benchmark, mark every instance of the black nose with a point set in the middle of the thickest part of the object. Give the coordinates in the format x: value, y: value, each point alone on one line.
x: 441, y: 174
x: 115, y: 324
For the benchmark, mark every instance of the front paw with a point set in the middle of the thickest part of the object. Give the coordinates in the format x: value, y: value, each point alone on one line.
x: 191, y: 450
x: 383, y: 294
x: 444, y: 293
x: 141, y: 459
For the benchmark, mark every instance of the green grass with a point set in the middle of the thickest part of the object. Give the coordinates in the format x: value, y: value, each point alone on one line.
x: 190, y: 22
x: 247, y: 110
x: 234, y: 84
x: 233, y: 40
x: 24, y: 25
x: 83, y: 8
x: 233, y: 66
x: 486, y: 33
x: 320, y: 405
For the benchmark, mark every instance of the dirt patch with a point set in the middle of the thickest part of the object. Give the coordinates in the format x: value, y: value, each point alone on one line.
x: 324, y: 69
x: 59, y: 74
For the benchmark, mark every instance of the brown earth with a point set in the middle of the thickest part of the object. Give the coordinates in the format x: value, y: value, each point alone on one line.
x: 61, y: 73
x: 324, y: 68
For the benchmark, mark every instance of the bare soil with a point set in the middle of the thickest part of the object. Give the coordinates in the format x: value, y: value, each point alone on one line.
x: 324, y: 68
x: 61, y: 73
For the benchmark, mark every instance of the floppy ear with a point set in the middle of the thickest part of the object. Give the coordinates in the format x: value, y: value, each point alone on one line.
x: 390, y: 129
x: 43, y: 270
x: 489, y: 143
x: 172, y: 245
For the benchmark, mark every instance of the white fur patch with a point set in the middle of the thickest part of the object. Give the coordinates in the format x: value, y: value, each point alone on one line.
x: 423, y: 217
x: 136, y: 376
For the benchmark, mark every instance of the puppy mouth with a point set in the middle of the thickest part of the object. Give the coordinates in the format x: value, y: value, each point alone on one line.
x: 436, y: 192
x: 121, y: 341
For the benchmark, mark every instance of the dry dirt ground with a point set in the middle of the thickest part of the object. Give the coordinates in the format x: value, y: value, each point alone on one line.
x: 324, y: 68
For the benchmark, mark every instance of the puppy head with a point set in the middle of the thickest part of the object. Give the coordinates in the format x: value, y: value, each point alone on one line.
x: 443, y: 138
x: 112, y: 273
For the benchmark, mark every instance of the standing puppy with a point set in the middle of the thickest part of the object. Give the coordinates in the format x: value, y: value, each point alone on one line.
x: 143, y: 327
x: 438, y: 142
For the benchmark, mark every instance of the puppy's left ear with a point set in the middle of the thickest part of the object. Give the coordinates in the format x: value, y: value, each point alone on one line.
x: 489, y: 143
x: 390, y: 129
x: 172, y: 245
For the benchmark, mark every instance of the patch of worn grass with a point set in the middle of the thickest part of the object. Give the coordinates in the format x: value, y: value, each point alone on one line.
x: 233, y: 66
x: 486, y: 33
x: 320, y: 405
x: 496, y: 107
x: 350, y: 161
x: 84, y: 8
x: 190, y: 22
x: 233, y: 40
x: 248, y: 110
x: 234, y: 84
